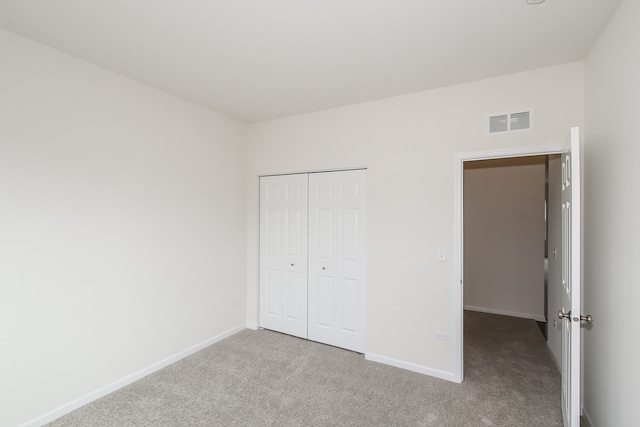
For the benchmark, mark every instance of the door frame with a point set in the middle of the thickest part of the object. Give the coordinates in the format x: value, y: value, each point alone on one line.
x: 458, y: 234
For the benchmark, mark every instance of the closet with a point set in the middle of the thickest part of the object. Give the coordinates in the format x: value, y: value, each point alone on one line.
x: 313, y: 256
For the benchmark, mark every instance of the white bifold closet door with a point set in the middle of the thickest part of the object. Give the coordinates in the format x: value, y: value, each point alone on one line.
x: 337, y: 258
x: 313, y: 256
x: 283, y: 253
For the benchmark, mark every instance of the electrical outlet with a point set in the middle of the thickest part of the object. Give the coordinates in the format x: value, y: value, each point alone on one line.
x: 234, y: 302
x: 442, y: 255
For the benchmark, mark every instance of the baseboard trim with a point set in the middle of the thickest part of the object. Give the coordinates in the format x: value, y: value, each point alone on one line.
x: 586, y: 419
x: 449, y: 376
x: 506, y: 313
x: 110, y: 388
x: 253, y: 326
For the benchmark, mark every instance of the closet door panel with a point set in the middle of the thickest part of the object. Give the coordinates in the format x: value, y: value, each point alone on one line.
x: 337, y: 258
x: 350, y: 309
x: 323, y: 302
x: 283, y: 253
x: 273, y: 292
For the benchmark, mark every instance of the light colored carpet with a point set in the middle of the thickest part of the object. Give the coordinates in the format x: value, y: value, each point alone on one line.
x: 263, y: 378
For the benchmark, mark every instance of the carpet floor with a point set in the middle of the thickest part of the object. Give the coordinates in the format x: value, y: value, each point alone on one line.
x: 263, y: 378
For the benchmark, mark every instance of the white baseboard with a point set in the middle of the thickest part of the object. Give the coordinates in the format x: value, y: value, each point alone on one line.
x: 110, y: 388
x: 586, y: 419
x: 253, y: 326
x: 535, y: 317
x: 411, y: 367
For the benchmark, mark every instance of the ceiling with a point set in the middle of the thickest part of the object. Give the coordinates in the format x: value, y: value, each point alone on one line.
x: 256, y: 60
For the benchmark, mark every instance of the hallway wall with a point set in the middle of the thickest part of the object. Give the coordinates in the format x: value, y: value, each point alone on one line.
x: 504, y: 236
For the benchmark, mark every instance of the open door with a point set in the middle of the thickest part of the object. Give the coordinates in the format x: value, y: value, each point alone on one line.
x: 571, y: 282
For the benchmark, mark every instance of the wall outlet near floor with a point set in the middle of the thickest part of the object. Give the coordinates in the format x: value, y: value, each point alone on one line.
x: 442, y: 336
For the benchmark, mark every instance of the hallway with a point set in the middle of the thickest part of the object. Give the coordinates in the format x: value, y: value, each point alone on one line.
x: 510, y: 357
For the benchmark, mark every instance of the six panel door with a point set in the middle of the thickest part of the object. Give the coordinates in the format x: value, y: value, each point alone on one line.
x: 283, y: 253
x: 337, y: 258
x: 571, y: 282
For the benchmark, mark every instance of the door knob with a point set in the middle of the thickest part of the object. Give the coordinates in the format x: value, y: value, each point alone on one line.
x: 588, y: 319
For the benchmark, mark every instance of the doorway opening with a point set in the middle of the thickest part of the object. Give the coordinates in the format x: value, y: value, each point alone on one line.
x: 570, y: 250
x: 506, y: 220
x: 524, y: 154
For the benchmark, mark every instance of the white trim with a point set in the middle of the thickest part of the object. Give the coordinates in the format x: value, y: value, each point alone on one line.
x: 501, y: 153
x: 457, y: 337
x: 347, y: 169
x: 410, y: 367
x: 458, y: 278
x: 110, y: 388
x: 532, y: 316
x: 587, y: 421
x: 253, y: 326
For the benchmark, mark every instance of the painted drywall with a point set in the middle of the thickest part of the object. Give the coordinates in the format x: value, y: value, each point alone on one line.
x: 408, y: 145
x: 504, y: 236
x: 122, y: 227
x: 611, y: 232
x: 554, y: 275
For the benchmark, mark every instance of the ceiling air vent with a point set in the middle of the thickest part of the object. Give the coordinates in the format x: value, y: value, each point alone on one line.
x: 510, y: 122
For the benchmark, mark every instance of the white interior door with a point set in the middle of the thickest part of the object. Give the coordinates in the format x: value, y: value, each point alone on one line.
x: 337, y: 258
x: 571, y: 282
x: 283, y: 253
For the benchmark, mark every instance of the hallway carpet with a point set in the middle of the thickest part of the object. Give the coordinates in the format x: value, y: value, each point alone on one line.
x: 263, y: 378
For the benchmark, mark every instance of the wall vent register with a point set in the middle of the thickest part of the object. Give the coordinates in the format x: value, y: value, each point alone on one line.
x: 510, y: 122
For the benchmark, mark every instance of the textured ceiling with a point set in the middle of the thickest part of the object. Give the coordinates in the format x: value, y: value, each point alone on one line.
x: 261, y: 59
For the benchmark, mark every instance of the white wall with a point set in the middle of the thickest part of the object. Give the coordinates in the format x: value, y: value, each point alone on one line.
x: 122, y: 224
x: 408, y: 145
x: 504, y: 236
x: 611, y: 230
